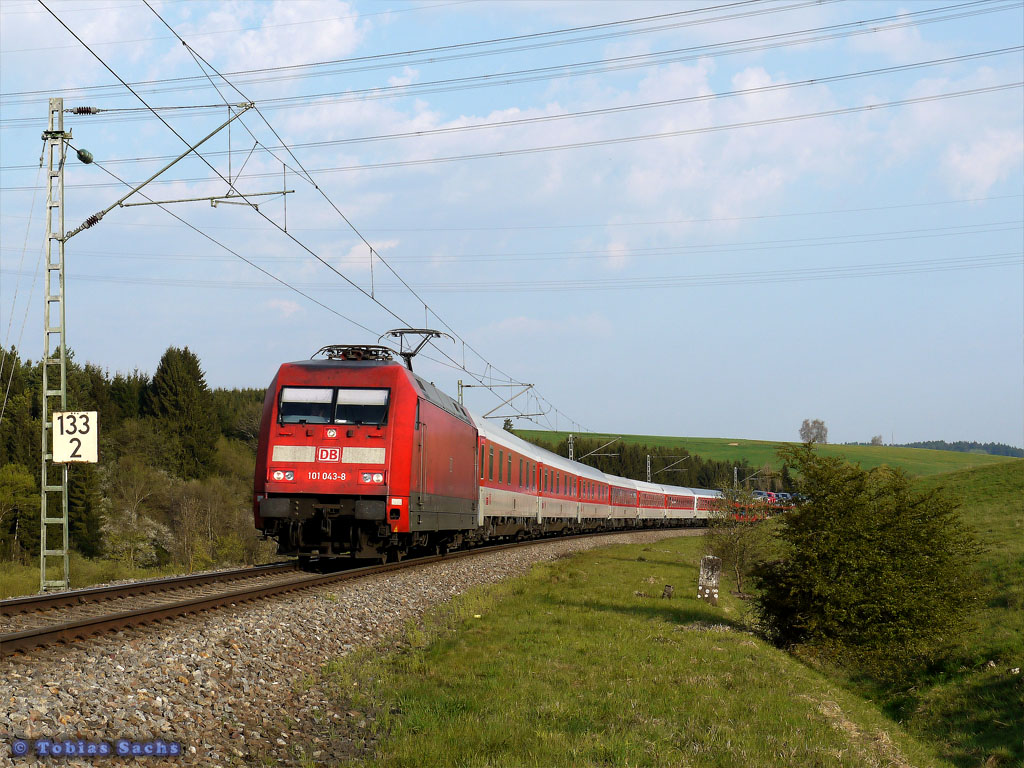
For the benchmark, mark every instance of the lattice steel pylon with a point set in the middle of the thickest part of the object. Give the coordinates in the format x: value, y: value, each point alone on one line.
x: 54, y: 497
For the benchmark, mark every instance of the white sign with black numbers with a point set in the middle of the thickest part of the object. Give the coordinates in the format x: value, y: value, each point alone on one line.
x: 74, y: 437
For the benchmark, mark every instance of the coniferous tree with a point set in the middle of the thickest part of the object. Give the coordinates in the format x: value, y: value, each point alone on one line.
x: 181, y: 400
x: 19, y: 512
x: 85, y: 516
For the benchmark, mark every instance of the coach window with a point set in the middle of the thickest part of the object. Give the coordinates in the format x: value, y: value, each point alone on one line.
x: 509, y: 478
x: 558, y: 483
x: 481, y: 462
x: 490, y: 464
x: 520, y: 473
x: 501, y: 463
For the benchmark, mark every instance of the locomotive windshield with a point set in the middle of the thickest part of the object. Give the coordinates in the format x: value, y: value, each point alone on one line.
x: 326, y: 405
x: 306, y: 405
x: 361, y: 406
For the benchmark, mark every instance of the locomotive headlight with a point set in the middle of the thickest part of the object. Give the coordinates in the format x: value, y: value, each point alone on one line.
x: 332, y: 433
x: 289, y: 475
x: 367, y: 477
x: 378, y: 477
x: 278, y: 474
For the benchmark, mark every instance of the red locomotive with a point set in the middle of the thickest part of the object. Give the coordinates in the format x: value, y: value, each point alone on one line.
x: 361, y: 458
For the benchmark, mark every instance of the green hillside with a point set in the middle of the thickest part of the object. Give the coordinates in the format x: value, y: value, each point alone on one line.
x: 916, y: 461
x: 974, y: 704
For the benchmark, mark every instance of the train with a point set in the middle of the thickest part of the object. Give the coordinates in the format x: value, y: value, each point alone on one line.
x: 361, y: 458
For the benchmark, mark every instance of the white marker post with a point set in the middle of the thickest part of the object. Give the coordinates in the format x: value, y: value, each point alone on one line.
x: 75, y: 437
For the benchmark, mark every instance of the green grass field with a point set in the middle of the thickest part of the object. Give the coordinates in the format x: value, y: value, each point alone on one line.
x: 569, y: 666
x: 916, y: 461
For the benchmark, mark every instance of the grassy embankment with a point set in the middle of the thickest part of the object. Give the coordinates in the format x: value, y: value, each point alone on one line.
x: 916, y: 461
x: 975, y: 711
x: 569, y: 666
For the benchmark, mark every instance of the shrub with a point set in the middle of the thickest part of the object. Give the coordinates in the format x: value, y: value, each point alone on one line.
x: 873, y: 575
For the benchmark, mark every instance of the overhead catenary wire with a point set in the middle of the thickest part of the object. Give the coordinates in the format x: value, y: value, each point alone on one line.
x: 373, y: 252
x: 232, y: 186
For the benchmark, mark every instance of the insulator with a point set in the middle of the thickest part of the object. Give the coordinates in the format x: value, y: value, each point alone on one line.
x: 92, y: 220
x: 85, y: 156
x: 85, y: 110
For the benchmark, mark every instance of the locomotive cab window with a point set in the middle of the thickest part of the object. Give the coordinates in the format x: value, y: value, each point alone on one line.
x: 309, y: 405
x: 326, y: 405
x: 361, y: 406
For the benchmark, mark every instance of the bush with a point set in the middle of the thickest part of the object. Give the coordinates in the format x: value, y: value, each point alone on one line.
x: 873, y: 575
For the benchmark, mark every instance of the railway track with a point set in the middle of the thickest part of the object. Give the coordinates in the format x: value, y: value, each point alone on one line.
x: 39, y: 620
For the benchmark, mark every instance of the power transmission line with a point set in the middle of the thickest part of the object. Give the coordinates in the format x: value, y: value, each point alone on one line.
x: 433, y: 50
x: 618, y: 283
x: 594, y: 66
x: 611, y: 224
x: 592, y: 112
x: 226, y: 31
x: 595, y: 142
x: 690, y: 249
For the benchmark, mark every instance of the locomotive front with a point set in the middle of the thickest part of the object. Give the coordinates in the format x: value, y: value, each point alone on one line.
x: 333, y: 462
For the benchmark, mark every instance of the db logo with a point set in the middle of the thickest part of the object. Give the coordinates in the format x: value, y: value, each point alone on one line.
x: 328, y: 454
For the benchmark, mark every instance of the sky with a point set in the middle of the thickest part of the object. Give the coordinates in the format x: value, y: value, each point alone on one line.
x: 677, y: 218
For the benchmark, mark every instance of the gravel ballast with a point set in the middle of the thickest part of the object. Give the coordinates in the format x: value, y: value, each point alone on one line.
x: 233, y: 686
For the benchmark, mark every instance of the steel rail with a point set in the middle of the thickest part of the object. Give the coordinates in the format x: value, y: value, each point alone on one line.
x: 76, y: 597
x: 70, y: 631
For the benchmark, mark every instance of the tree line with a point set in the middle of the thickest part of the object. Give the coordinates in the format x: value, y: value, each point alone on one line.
x: 174, y: 479
x: 968, y: 446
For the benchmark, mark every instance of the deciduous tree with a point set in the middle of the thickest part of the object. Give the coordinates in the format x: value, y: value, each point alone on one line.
x: 814, y: 431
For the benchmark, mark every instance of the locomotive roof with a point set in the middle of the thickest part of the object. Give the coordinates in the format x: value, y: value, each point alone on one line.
x: 325, y: 363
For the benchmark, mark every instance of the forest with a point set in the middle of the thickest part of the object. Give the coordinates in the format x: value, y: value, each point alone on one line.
x: 173, y: 485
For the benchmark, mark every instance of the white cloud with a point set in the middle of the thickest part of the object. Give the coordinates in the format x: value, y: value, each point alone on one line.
x: 974, y: 167
x: 559, y: 327
x: 284, y: 307
x: 286, y: 32
x: 408, y: 76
